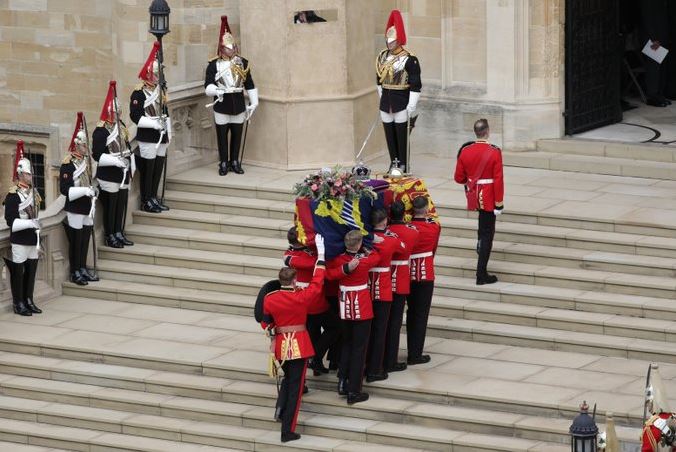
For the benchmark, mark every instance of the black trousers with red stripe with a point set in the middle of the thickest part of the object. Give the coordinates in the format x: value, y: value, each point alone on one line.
x: 391, y: 356
x: 355, y: 335
x: 291, y: 392
x: 381, y: 319
x: 419, y: 303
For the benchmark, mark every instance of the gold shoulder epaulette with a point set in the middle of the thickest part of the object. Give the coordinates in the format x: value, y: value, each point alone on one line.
x: 408, y: 51
x: 100, y: 123
x: 12, y: 189
x: 138, y: 87
x: 214, y: 58
x: 67, y: 159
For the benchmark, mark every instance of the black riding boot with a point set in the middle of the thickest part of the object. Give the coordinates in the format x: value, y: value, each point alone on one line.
x: 401, y: 129
x: 74, y: 256
x: 16, y: 282
x: 86, y: 236
x: 147, y: 168
x: 109, y: 203
x: 222, y: 142
x: 120, y: 212
x: 235, y: 145
x: 30, y: 270
x: 157, y: 177
x: 391, y: 139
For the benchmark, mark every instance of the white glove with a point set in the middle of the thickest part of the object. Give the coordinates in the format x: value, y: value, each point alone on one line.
x: 253, y: 102
x: 169, y: 129
x: 497, y: 211
x: 21, y: 225
x: 109, y: 160
x: 319, y: 243
x: 91, y: 192
x: 662, y: 425
x: 380, y: 91
x: 412, y: 103
x: 78, y: 192
x: 149, y: 122
x: 212, y: 90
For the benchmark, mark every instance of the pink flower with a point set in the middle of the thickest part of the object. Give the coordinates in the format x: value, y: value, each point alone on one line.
x: 314, y: 187
x: 339, y: 182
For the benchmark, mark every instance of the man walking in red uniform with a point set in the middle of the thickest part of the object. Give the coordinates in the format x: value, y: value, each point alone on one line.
x: 422, y: 280
x: 479, y: 168
x: 284, y: 316
x: 401, y: 284
x: 381, y: 294
x: 351, y: 269
x: 303, y: 260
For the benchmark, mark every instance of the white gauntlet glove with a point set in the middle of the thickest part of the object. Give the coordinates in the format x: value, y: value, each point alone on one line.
x: 253, y: 103
x: 412, y: 103
x: 319, y: 243
x: 212, y: 90
x: 148, y: 122
x: 380, y: 91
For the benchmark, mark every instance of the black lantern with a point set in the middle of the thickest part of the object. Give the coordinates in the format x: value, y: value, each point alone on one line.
x: 583, y: 431
x: 159, y: 18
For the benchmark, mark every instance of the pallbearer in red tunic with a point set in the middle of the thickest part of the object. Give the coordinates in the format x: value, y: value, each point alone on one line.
x: 303, y: 260
x: 479, y: 168
x: 659, y: 431
x: 381, y: 294
x: 401, y: 284
x: 422, y: 280
x: 351, y: 269
x: 284, y: 316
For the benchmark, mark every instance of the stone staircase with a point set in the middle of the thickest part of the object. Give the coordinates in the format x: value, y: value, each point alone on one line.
x: 654, y: 161
x: 163, y: 354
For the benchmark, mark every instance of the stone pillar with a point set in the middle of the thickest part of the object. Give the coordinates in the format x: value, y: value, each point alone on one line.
x: 316, y: 83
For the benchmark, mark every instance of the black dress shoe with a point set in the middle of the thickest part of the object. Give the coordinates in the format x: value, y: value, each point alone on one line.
x: 89, y: 275
x: 223, y: 169
x: 77, y: 278
x: 236, y: 167
x: 486, y: 279
x: 21, y: 309
x: 112, y: 242
x: 342, y: 387
x: 305, y: 389
x: 317, y: 367
x: 376, y: 377
x: 290, y: 436
x: 397, y: 367
x: 149, y: 206
x: 656, y: 103
x: 356, y: 397
x: 31, y: 306
x: 278, y: 414
x: 159, y: 205
x: 422, y: 359
x: 122, y: 239
x: 333, y: 366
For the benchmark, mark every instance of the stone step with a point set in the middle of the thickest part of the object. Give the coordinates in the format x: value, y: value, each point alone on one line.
x: 608, y: 323
x: 526, y: 234
x: 592, y: 164
x: 508, y: 272
x: 234, y: 425
x: 6, y: 446
x: 613, y: 149
x: 210, y: 399
x: 550, y: 382
x: 167, y: 243
x: 451, y: 203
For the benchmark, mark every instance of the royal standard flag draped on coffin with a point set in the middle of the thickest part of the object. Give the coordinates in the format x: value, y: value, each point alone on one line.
x: 319, y: 211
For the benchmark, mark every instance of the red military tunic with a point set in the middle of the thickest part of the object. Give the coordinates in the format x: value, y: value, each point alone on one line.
x: 355, y: 296
x: 303, y: 261
x: 401, y: 273
x: 651, y: 435
x: 380, y: 276
x: 422, y: 255
x: 287, y: 309
x: 490, y: 183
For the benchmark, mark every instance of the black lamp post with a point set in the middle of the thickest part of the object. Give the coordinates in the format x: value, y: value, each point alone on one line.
x: 159, y: 18
x: 583, y: 431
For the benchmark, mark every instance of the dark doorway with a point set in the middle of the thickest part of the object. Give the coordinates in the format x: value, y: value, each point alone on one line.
x: 593, y: 57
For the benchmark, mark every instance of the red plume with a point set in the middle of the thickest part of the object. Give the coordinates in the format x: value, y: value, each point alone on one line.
x: 224, y: 27
x: 398, y: 22
x: 17, y: 156
x: 146, y: 73
x: 108, y: 111
x: 79, y: 125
